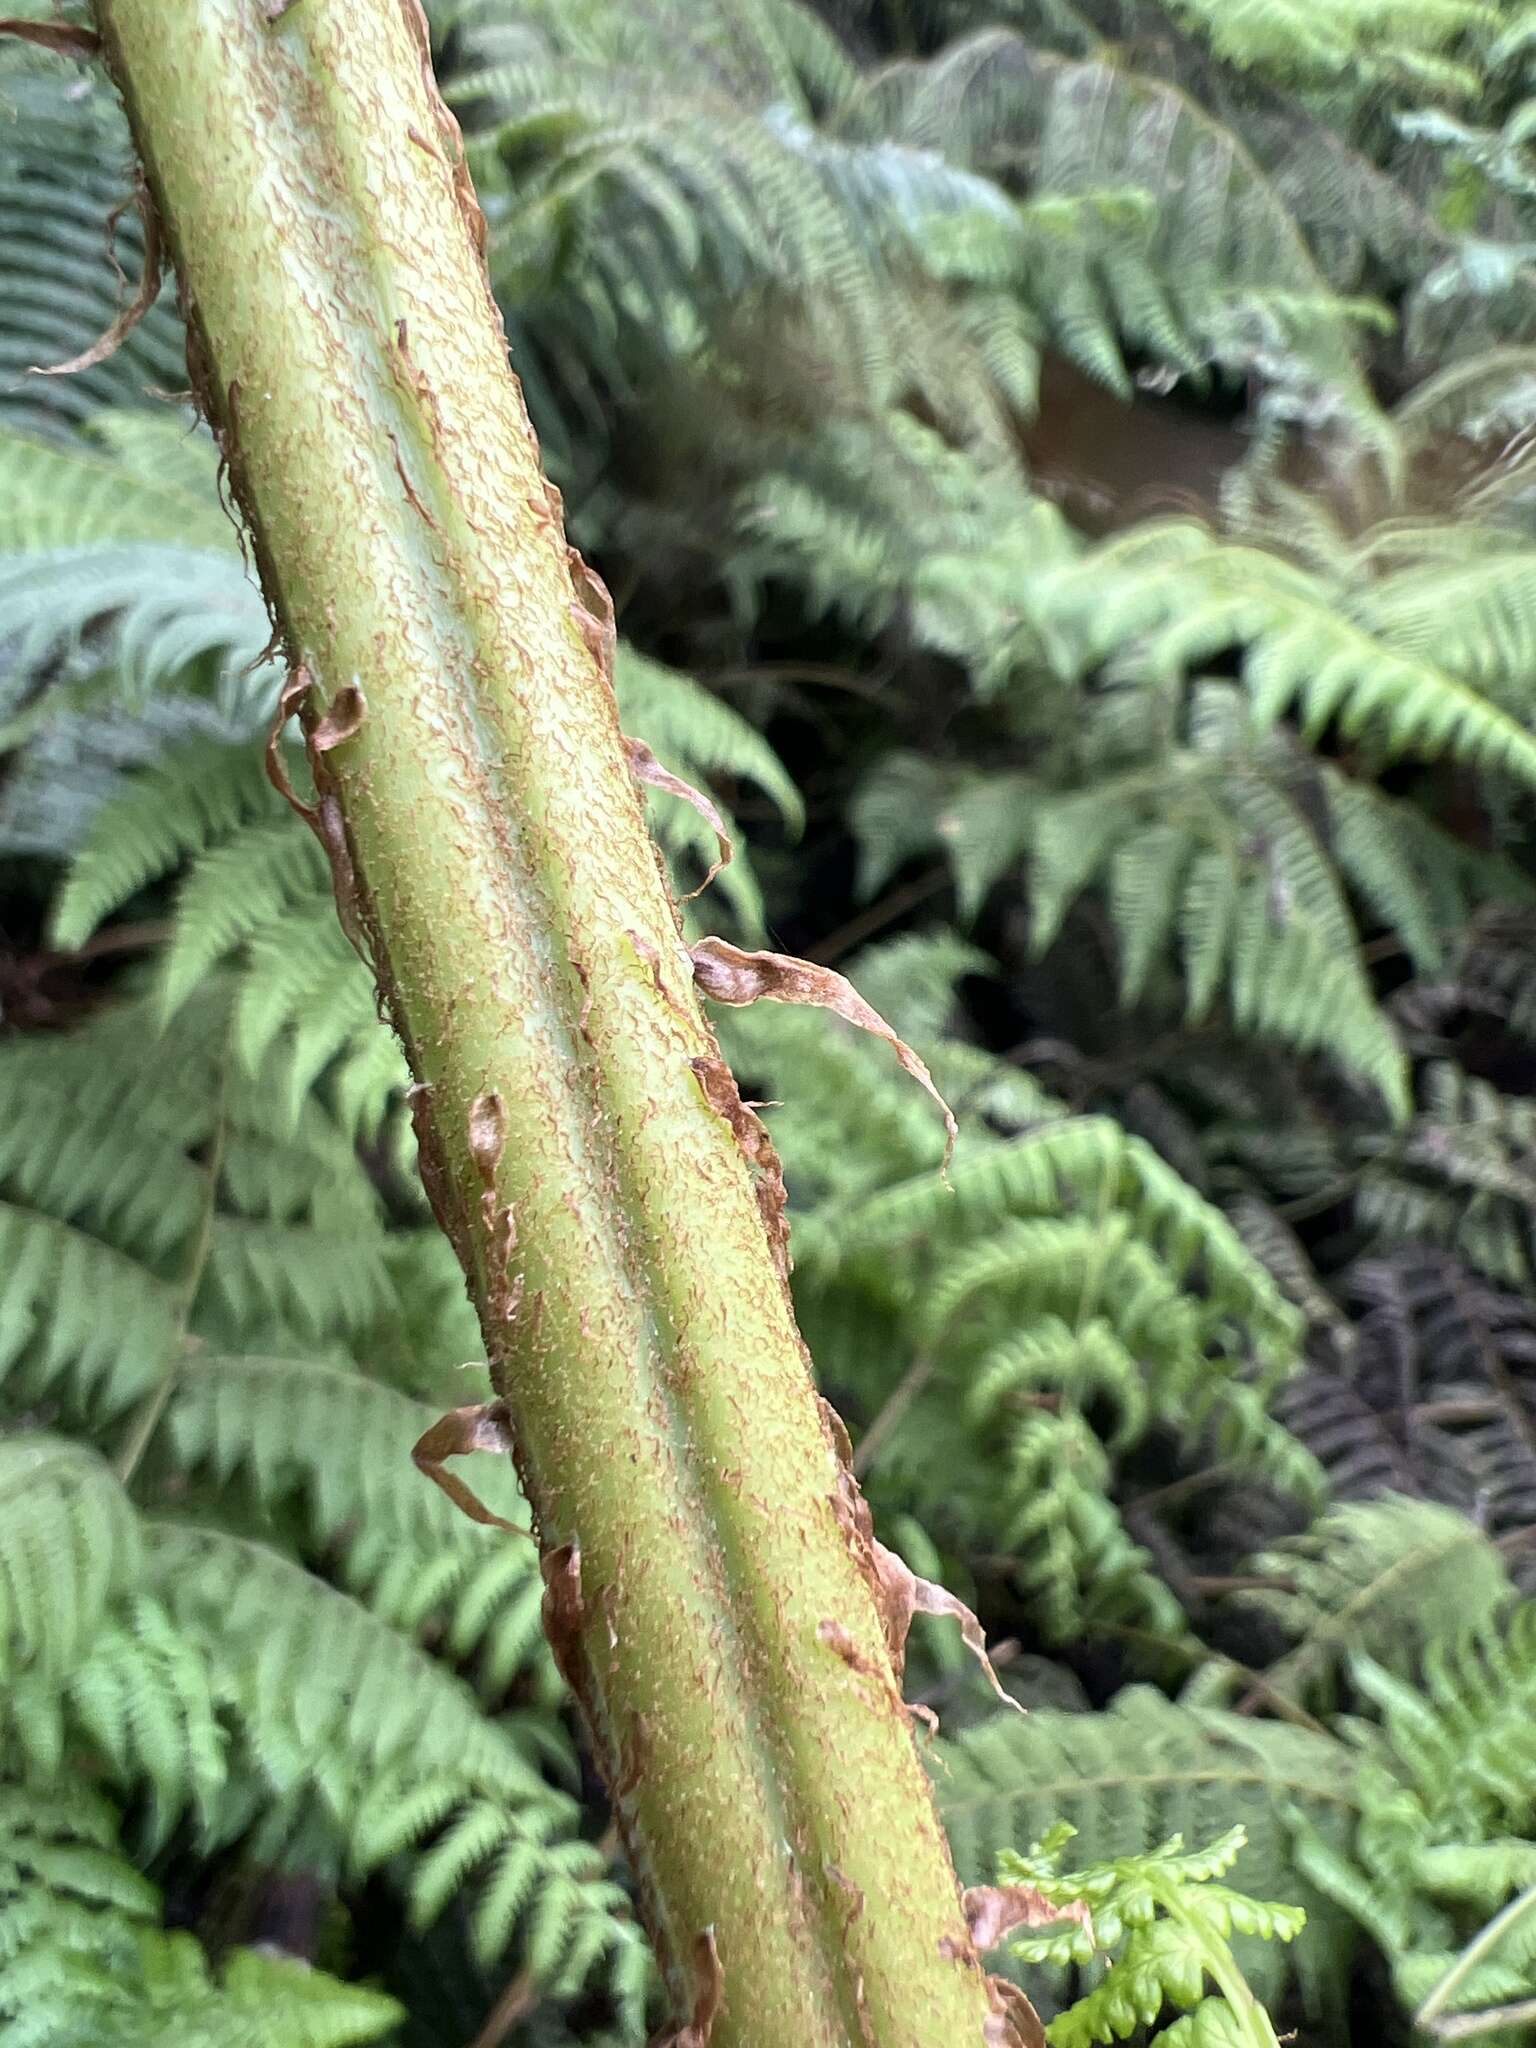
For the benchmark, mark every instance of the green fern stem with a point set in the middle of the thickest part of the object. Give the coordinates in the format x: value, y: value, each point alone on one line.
x: 1430, y: 2014
x: 1251, y: 2026
x: 684, y: 1482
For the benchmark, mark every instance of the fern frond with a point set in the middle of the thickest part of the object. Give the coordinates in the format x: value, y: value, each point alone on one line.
x: 1083, y: 1162
x: 400, y: 1544
x: 1446, y: 1811
x: 1379, y: 1579
x: 76, y: 1313
x: 1306, y: 40
x: 132, y: 1185
x: 1216, y: 852
x: 1180, y: 598
x: 254, y: 1996
x: 1357, y: 1449
x: 248, y: 1230
x: 1077, y: 1566
x: 1172, y: 1929
x: 1066, y: 1273
x: 199, y: 795
x: 254, y: 1698
x: 1129, y: 1777
x: 85, y: 1958
x: 607, y: 181
x: 1462, y: 1175
x: 71, y: 1907
x: 146, y: 1701
x: 249, y: 884
x: 1490, y: 975
x: 311, y: 1675
x: 69, y: 1545
x: 1234, y: 281
x: 133, y: 480
x: 982, y: 822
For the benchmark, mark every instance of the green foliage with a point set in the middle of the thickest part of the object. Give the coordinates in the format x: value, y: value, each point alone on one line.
x: 85, y: 1959
x: 1443, y: 1845
x: 1188, y: 794
x: 1404, y: 42
x: 1127, y: 1779
x: 1173, y: 1928
x: 1066, y: 1297
x: 1384, y: 1580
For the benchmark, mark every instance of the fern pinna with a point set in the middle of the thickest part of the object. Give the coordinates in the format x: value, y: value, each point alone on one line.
x: 1188, y: 812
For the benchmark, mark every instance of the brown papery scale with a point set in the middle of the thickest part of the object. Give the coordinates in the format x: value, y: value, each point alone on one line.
x: 728, y: 975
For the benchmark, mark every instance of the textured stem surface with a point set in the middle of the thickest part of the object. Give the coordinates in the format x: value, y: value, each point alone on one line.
x: 711, y: 1591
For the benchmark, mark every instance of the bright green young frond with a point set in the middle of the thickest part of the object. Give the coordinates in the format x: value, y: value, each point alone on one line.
x: 1129, y: 1778
x: 1172, y: 1928
x: 1442, y: 1845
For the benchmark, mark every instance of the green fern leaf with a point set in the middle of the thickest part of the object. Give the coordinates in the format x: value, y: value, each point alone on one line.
x: 69, y: 1546
x: 1377, y: 1578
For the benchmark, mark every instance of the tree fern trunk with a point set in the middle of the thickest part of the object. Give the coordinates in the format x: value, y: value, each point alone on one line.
x: 711, y: 1596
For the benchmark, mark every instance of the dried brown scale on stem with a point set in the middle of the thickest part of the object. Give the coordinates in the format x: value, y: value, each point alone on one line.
x: 757, y: 1148
x: 295, y: 689
x: 60, y: 36
x: 993, y: 1911
x: 342, y: 722
x: 484, y: 1427
x: 418, y: 506
x: 453, y: 136
x: 838, y: 1639
x: 439, y: 1186
x: 148, y: 291
x: 1014, y: 2023
x: 645, y: 768
x: 592, y: 610
x: 708, y: 2000
x: 564, y: 1613
x: 487, y: 1142
x: 900, y: 1594
x: 632, y: 1760
x: 728, y: 975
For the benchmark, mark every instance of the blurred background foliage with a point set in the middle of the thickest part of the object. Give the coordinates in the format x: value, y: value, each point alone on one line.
x: 1066, y: 470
